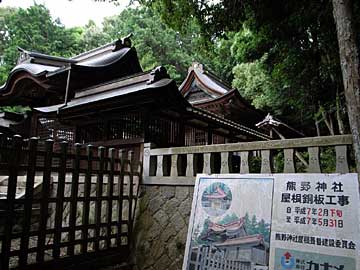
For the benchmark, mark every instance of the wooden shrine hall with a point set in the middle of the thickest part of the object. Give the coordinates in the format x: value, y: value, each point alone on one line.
x: 103, y: 97
x: 204, y: 90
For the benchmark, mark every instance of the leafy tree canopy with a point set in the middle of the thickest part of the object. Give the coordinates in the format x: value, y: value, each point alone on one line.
x: 291, y: 45
x: 34, y: 29
x: 281, y: 55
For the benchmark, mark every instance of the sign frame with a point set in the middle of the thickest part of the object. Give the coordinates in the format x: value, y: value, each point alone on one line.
x: 274, y: 177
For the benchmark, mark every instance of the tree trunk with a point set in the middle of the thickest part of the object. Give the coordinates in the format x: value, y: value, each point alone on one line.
x: 338, y: 114
x: 328, y: 122
x: 317, y: 128
x: 349, y: 60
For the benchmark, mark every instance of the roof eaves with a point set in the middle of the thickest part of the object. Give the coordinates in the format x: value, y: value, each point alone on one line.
x: 104, y: 95
x: 101, y: 49
x: 227, y: 122
x: 37, y: 55
x: 202, y: 80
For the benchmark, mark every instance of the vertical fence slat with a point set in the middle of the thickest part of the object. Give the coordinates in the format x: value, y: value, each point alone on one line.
x: 159, y: 167
x: 198, y: 257
x: 29, y: 195
x: 207, y: 165
x: 244, y: 162
x: 60, y: 199
x: 110, y: 192
x: 289, y: 166
x: 10, y: 198
x: 99, y: 191
x: 74, y: 195
x: 265, y: 161
x: 121, y: 197
x: 314, y: 160
x: 44, y: 200
x: 190, y: 165
x: 86, y: 206
x: 131, y: 194
x: 342, y: 165
x: 224, y: 162
x: 174, y: 169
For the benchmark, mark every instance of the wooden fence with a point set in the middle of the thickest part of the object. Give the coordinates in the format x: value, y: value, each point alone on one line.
x: 82, y: 215
x: 179, y: 165
x: 206, y: 258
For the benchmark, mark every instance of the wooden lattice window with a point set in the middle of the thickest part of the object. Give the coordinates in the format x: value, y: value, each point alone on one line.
x: 53, y: 129
x: 165, y: 132
x: 194, y: 136
x: 218, y: 139
x: 128, y: 126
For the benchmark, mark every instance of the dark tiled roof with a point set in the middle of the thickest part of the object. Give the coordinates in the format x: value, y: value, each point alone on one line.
x: 101, y: 65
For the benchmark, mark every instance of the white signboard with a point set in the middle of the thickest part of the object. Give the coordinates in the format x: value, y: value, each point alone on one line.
x: 315, y: 222
x: 278, y: 222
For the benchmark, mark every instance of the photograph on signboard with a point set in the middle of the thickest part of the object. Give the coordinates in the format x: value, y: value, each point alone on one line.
x: 230, y: 223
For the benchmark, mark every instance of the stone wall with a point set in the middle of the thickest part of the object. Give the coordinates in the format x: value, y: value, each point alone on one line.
x: 161, y: 227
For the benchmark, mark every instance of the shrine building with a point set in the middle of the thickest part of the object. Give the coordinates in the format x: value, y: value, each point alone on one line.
x: 103, y: 97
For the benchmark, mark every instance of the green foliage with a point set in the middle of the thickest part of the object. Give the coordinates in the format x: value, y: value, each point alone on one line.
x: 198, y: 240
x: 156, y: 43
x: 281, y: 55
x: 254, y: 226
x: 255, y: 164
x: 254, y: 83
x: 219, y: 57
x: 92, y: 36
x: 298, y: 38
x: 228, y: 219
x: 279, y: 161
x: 15, y: 109
x: 328, y: 159
x: 33, y: 29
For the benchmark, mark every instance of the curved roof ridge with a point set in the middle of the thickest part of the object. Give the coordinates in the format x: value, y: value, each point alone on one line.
x: 217, y: 78
x: 206, y: 79
x: 35, y: 70
x: 92, y: 51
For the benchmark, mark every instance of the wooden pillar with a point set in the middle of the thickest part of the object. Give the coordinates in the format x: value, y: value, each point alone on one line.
x: 34, y: 125
x: 77, y: 134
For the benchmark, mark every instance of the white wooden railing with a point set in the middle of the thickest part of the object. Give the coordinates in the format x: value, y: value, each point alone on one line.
x: 179, y: 165
x: 207, y: 259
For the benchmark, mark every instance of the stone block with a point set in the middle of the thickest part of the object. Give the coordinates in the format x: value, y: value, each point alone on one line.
x: 161, y: 217
x: 153, y: 232
x: 185, y: 208
x: 155, y: 204
x: 177, y: 221
x: 163, y: 263
x: 157, y: 249
x: 168, y: 192
x: 170, y: 206
x: 181, y: 193
x: 167, y: 233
